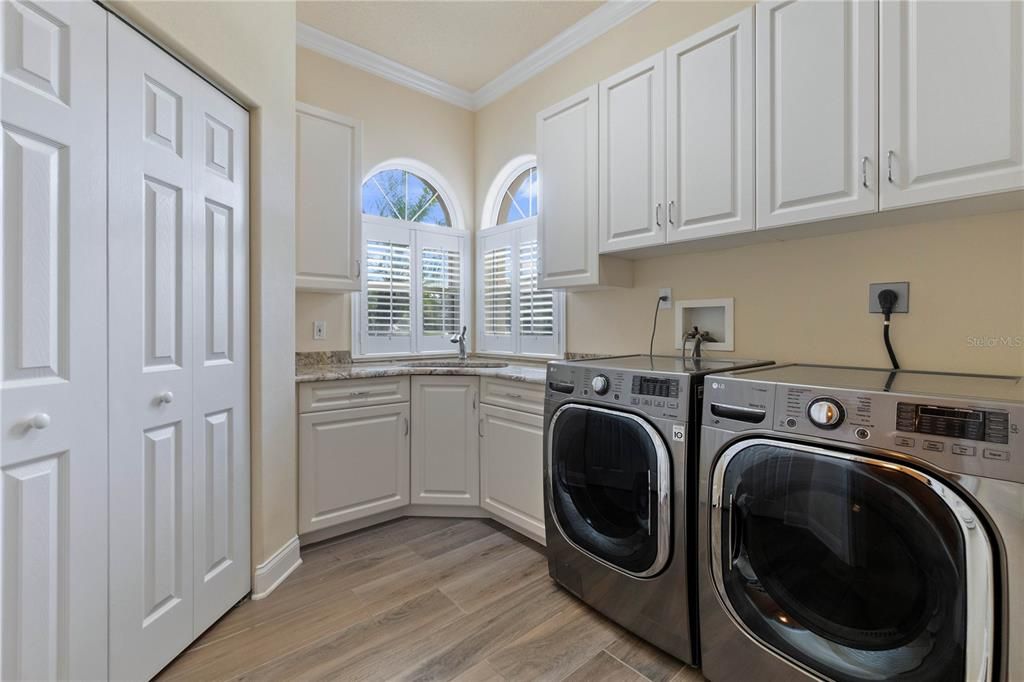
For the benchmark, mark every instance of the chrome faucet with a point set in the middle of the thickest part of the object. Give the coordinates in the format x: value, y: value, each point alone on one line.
x: 698, y: 338
x: 461, y: 340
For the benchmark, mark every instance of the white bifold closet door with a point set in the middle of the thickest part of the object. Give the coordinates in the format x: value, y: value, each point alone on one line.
x: 53, y: 391
x: 179, y: 416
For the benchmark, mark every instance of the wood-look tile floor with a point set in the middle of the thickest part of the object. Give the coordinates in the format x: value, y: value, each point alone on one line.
x: 422, y: 599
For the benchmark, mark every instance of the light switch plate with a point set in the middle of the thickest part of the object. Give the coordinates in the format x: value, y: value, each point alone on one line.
x: 319, y: 330
x: 667, y: 304
x: 902, y: 290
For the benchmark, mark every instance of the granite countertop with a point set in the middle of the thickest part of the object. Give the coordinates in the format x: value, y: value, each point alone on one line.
x: 331, y: 369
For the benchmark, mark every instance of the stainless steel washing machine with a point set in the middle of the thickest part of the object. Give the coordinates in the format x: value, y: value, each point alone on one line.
x: 619, y: 463
x: 861, y: 524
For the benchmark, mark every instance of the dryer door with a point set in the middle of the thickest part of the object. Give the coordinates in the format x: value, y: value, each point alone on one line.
x: 609, y: 483
x: 853, y: 567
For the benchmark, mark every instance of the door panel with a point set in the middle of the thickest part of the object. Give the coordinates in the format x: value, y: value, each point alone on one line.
x: 816, y: 110
x: 512, y: 468
x: 353, y: 463
x: 220, y: 347
x: 632, y: 157
x: 710, y: 129
x: 53, y: 447
x: 952, y: 99
x: 445, y: 462
x: 151, y: 242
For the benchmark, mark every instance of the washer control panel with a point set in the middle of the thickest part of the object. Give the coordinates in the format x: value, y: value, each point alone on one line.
x: 661, y: 397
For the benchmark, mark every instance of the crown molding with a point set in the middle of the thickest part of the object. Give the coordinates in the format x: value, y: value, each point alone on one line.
x: 367, y: 60
x: 587, y: 29
x: 592, y: 26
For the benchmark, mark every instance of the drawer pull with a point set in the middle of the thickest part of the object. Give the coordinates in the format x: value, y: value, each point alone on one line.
x: 517, y: 396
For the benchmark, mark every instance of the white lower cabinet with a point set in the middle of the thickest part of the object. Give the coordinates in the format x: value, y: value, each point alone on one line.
x: 511, y: 468
x: 353, y: 463
x: 445, y: 444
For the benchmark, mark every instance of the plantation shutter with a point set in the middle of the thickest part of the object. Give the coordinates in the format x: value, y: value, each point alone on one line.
x: 387, y: 289
x: 497, y: 304
x: 538, y: 310
x: 441, y: 290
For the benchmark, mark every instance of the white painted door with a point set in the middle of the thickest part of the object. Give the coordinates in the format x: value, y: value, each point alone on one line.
x: 952, y: 100
x: 220, y: 352
x: 445, y: 444
x: 710, y: 131
x: 817, y: 125
x: 328, y: 204
x: 631, y: 161
x: 512, y: 468
x: 353, y: 463
x: 567, y: 219
x: 151, y: 355
x: 53, y: 448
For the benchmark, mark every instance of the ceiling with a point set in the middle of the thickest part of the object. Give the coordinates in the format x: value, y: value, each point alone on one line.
x: 466, y: 43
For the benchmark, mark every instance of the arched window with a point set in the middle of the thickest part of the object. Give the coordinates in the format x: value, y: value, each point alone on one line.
x: 514, y: 314
x: 414, y: 284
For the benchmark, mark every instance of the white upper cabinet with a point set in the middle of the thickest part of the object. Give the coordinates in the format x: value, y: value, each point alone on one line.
x: 952, y: 100
x: 328, y: 206
x: 567, y: 220
x: 632, y: 157
x: 816, y: 110
x: 710, y: 131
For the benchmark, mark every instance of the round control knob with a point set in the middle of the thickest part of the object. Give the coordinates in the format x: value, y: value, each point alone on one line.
x: 826, y: 413
x: 599, y: 384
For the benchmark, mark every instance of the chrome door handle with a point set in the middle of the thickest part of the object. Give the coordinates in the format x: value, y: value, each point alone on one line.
x: 405, y: 422
x: 480, y: 427
x: 888, y: 157
x: 671, y: 205
x: 165, y: 398
x: 39, y: 421
x: 359, y: 267
x: 651, y: 501
x: 474, y: 401
x: 864, y: 171
x: 517, y: 396
x: 657, y: 215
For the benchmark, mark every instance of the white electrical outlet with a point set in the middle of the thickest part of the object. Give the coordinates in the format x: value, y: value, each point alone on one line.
x: 319, y: 330
x: 666, y: 304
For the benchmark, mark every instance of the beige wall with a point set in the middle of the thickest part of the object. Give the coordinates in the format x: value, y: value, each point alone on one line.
x: 249, y: 48
x: 800, y: 300
x: 397, y: 122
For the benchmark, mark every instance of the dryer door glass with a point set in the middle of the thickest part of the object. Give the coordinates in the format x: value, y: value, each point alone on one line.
x: 851, y: 567
x: 608, y: 474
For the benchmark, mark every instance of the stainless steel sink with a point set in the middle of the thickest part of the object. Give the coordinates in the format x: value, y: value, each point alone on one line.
x: 441, y: 364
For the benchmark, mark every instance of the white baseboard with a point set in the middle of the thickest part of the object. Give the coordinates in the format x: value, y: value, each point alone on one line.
x: 274, y: 570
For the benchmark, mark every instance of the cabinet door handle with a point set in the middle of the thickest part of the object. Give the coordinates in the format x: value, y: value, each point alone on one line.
x: 657, y: 215
x: 358, y: 394
x: 405, y: 422
x: 165, y: 398
x: 517, y: 396
x: 39, y: 421
x: 359, y: 267
x: 671, y: 205
x: 480, y: 427
x: 474, y: 401
x: 888, y: 157
x: 864, y: 171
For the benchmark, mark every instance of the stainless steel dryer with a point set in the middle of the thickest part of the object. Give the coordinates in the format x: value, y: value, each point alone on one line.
x: 619, y: 458
x: 861, y: 524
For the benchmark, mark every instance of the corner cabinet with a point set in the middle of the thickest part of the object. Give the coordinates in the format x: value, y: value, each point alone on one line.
x: 567, y: 221
x: 952, y: 100
x: 328, y: 210
x: 512, y: 468
x: 445, y: 467
x: 816, y: 110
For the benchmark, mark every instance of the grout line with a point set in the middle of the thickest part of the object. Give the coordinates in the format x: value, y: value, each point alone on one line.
x: 628, y: 665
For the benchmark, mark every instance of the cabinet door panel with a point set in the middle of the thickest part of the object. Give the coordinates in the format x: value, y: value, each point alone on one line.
x: 710, y: 131
x: 53, y: 476
x: 632, y: 157
x: 445, y: 445
x: 328, y: 207
x: 817, y: 99
x: 352, y: 463
x: 512, y: 468
x: 952, y: 100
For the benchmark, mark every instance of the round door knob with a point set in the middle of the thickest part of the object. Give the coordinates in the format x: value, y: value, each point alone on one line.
x: 165, y: 397
x: 599, y: 384
x: 826, y: 413
x: 39, y: 421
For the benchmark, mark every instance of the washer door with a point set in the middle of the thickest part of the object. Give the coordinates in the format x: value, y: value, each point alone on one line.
x: 609, y: 483
x: 856, y: 568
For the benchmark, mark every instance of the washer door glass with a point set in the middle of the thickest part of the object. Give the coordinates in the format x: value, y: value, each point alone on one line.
x: 853, y: 568
x: 607, y: 471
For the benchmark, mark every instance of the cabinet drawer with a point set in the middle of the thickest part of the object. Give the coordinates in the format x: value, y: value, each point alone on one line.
x: 515, y: 395
x: 318, y: 396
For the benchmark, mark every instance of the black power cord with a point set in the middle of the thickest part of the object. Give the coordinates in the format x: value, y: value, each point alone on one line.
x: 887, y: 301
x: 654, y: 328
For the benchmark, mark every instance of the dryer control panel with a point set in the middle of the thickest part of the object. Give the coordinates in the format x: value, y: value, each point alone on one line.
x: 661, y: 397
